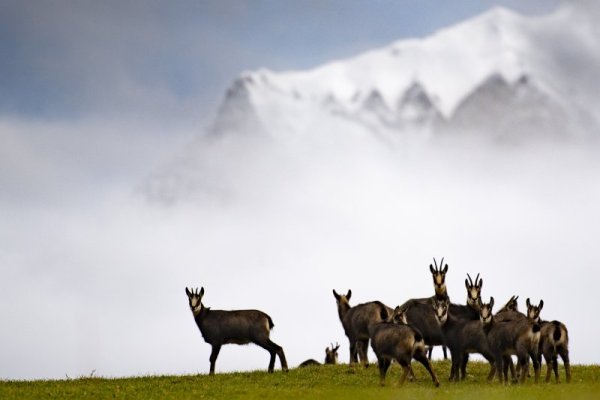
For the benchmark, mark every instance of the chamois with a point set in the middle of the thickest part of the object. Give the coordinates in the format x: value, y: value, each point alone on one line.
x: 419, y: 313
x: 331, y: 357
x: 505, y: 338
x: 356, y: 322
x: 462, y: 336
x: 554, y: 341
x: 220, y: 327
x: 393, y: 340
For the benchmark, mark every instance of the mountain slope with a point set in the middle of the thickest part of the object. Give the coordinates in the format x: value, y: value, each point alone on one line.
x: 417, y: 84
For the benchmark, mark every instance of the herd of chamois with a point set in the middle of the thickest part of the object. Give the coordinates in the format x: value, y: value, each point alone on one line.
x: 410, y: 330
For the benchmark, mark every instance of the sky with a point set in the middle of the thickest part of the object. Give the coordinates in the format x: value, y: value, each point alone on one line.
x: 95, y: 96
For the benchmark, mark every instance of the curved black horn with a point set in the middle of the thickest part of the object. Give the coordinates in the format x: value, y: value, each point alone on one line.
x: 476, y: 278
x: 435, y: 262
x: 442, y: 263
x: 470, y: 280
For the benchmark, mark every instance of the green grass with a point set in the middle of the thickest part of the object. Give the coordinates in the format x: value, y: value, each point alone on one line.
x: 321, y: 382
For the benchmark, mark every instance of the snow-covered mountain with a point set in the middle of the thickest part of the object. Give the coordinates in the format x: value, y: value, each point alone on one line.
x: 495, y: 75
x: 498, y: 77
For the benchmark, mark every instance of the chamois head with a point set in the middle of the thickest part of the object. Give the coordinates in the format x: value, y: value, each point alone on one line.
x: 485, y: 311
x: 512, y: 305
x: 440, y: 307
x: 473, y: 291
x: 342, y: 299
x: 195, y: 300
x: 439, y: 277
x: 331, y: 355
x: 533, y: 312
x: 399, y: 316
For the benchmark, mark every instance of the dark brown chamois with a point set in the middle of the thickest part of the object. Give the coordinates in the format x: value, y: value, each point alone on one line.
x: 462, y: 336
x: 419, y: 313
x: 505, y: 338
x: 400, y: 342
x: 220, y: 327
x: 554, y: 342
x: 356, y: 322
x: 331, y: 357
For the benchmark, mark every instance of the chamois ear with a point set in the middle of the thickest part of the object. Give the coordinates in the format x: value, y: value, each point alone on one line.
x: 431, y: 269
x: 187, y: 291
x: 480, y: 283
x: 541, y: 305
x: 491, y: 303
x: 336, y: 295
x: 467, y: 284
x: 445, y: 269
x: 528, y: 303
x: 349, y: 294
x: 201, y: 291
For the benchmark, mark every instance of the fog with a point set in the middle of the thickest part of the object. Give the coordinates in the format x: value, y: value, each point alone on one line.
x: 94, y: 273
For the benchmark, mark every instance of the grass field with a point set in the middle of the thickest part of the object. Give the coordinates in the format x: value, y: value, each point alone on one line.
x: 320, y: 382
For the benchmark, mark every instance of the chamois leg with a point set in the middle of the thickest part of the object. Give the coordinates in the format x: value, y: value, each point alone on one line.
x: 555, y: 368
x: 499, y: 365
x: 274, y: 349
x: 445, y: 353
x: 490, y: 359
x: 422, y: 358
x: 405, y: 371
x: 536, y: 365
x: 511, y: 365
x: 362, y: 347
x: 549, y: 366
x: 353, y: 354
x: 454, y: 368
x: 429, y: 352
x: 384, y: 364
x: 522, y: 360
x: 463, y: 366
x: 564, y: 354
x: 213, y: 357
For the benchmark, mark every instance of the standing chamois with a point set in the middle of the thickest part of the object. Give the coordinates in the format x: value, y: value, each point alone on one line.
x: 220, y: 327
x: 331, y: 357
x: 554, y: 341
x: 421, y: 315
x: 393, y: 340
x: 462, y: 336
x: 505, y: 338
x: 356, y: 322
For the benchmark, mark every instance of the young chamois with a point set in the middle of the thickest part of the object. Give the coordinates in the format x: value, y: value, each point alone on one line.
x: 220, y: 327
x: 505, y: 338
x: 356, y: 322
x: 462, y: 336
x: 331, y: 357
x: 394, y: 340
x: 554, y: 341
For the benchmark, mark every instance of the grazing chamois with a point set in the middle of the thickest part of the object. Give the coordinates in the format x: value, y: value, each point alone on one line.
x: 554, y: 342
x: 462, y: 336
x: 356, y: 322
x: 393, y: 340
x: 331, y: 357
x: 505, y: 338
x: 220, y: 327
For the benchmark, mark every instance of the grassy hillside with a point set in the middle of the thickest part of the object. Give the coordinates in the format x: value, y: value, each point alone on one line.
x: 321, y: 382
